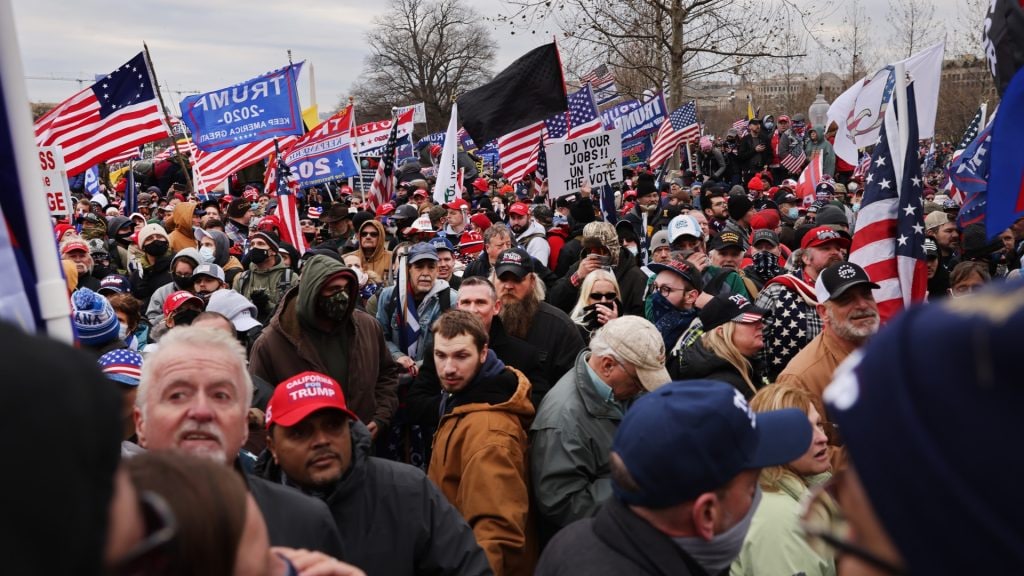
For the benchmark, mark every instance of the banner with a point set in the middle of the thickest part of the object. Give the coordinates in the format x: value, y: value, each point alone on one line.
x: 265, y: 107
x: 419, y: 112
x: 372, y: 136
x: 55, y: 181
x: 446, y: 189
x: 92, y: 180
x: 324, y: 154
x: 595, y: 159
x: 636, y: 150
x: 435, y: 138
x: 634, y: 119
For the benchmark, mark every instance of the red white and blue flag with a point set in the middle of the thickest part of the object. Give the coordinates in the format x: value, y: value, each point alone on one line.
x: 580, y: 119
x: 519, y: 150
x: 810, y: 178
x: 117, y: 113
x: 383, y: 185
x: 603, y: 82
x: 889, y: 240
x: 681, y: 127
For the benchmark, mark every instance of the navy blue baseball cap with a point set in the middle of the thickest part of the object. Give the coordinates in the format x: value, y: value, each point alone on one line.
x: 691, y: 437
x: 442, y: 243
x: 422, y: 251
x: 930, y: 431
x: 114, y: 284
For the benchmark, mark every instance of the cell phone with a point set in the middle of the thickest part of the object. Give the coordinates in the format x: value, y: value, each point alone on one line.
x: 590, y: 317
x: 602, y: 259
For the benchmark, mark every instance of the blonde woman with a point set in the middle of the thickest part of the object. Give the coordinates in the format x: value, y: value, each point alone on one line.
x: 600, y: 301
x: 728, y: 348
x: 775, y: 543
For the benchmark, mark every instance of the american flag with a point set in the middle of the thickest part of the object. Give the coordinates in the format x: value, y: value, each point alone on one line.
x: 600, y: 76
x: 581, y: 119
x: 118, y: 112
x: 287, y: 206
x: 681, y: 127
x: 793, y: 162
x: 407, y: 319
x: 383, y: 186
x: 889, y: 241
x: 863, y: 167
x: 519, y: 150
x: 541, y: 173
x: 132, y: 153
x: 741, y: 126
x: 215, y: 167
x: 969, y: 135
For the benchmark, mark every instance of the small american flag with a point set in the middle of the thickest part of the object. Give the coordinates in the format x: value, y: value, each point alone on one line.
x: 794, y: 162
x: 581, y: 119
x: 519, y: 150
x: 119, y: 112
x: 603, y: 83
x: 740, y: 126
x: 889, y: 241
x: 863, y: 166
x: 287, y: 207
x: 383, y: 186
x: 681, y: 127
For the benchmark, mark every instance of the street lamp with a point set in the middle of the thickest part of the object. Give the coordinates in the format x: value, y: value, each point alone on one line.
x: 818, y: 111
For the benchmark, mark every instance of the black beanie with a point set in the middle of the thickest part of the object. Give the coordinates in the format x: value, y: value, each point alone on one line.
x: 739, y: 205
x: 645, y: 184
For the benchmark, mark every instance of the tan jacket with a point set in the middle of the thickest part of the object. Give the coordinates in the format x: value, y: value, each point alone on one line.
x: 479, y: 463
x: 380, y: 260
x: 182, y: 237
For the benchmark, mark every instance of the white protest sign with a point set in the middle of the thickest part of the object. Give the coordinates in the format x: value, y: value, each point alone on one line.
x: 595, y: 160
x: 55, y: 180
x: 419, y: 114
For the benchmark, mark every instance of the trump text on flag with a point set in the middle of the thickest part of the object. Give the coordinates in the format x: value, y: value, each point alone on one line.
x: 55, y: 180
x: 595, y: 160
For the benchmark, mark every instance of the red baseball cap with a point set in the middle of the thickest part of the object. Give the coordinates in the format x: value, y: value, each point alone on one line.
x: 303, y: 394
x: 823, y: 235
x: 420, y: 192
x: 481, y: 185
x: 519, y: 209
x: 179, y: 298
x: 385, y: 209
x: 457, y: 204
x: 74, y: 245
x: 345, y: 190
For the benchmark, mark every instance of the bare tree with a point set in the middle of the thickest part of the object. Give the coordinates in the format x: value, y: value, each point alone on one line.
x: 968, y: 27
x: 666, y: 43
x: 423, y: 51
x: 914, y: 25
x: 852, y: 44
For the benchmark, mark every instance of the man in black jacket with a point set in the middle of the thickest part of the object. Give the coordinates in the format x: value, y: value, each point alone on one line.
x: 754, y: 152
x: 194, y: 396
x: 684, y: 466
x: 476, y: 295
x: 393, y: 520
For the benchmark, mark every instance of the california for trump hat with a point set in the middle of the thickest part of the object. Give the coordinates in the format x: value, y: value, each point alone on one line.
x: 691, y: 437
x: 303, y: 394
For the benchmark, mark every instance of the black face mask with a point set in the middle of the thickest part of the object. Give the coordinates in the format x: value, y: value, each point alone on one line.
x: 183, y: 282
x: 258, y: 255
x: 185, y: 317
x: 310, y: 236
x: 124, y: 237
x: 157, y: 248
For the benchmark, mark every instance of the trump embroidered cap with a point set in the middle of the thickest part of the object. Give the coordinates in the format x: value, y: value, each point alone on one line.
x: 303, y: 394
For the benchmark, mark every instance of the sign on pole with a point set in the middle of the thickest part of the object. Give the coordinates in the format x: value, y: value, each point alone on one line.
x: 55, y: 180
x: 595, y: 159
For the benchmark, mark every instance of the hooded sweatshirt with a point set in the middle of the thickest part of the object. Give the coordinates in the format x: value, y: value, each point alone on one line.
x: 222, y: 255
x: 380, y: 260
x: 183, y: 237
x: 326, y: 343
x: 828, y: 156
x: 155, y: 310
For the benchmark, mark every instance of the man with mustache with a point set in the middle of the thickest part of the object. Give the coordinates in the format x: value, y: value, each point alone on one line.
x: 392, y: 519
x: 790, y: 299
x: 194, y: 396
x: 849, y: 314
x: 526, y: 316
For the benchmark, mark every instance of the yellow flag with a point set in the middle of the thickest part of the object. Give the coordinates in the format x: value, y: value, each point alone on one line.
x: 311, y: 117
x: 750, y: 109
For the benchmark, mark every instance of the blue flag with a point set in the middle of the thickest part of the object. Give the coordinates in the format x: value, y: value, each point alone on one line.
x: 92, y: 180
x: 970, y: 174
x: 258, y: 109
x: 1006, y: 193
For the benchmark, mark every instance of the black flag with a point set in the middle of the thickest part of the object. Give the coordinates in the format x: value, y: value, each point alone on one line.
x: 531, y: 89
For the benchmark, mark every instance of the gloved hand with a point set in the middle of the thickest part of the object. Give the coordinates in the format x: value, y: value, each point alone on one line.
x: 261, y: 300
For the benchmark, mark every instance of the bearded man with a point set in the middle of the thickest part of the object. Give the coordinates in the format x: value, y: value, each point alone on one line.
x: 526, y: 316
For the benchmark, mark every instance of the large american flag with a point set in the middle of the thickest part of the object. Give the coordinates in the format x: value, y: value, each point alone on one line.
x: 681, y: 127
x: 212, y: 168
x: 118, y: 112
x: 889, y: 241
x: 581, y: 119
x: 519, y: 150
x: 383, y: 185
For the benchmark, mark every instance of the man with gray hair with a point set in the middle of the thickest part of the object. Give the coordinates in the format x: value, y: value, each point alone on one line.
x: 194, y: 397
x: 571, y: 436
x: 497, y: 237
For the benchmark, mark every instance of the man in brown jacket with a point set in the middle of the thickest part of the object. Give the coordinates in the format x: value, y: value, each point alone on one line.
x: 479, y: 454
x: 317, y: 327
x: 373, y: 250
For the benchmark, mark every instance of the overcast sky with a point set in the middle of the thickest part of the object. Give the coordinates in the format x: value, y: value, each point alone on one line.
x: 202, y: 45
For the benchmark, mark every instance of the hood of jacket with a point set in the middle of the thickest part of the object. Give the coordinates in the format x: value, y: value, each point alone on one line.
x: 534, y: 228
x: 382, y: 243
x: 821, y: 137
x: 190, y: 253
x: 484, y: 395
x: 115, y: 224
x: 182, y: 218
x: 315, y: 272
x: 222, y: 247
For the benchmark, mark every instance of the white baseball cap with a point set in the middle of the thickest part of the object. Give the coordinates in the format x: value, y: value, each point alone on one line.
x: 684, y: 225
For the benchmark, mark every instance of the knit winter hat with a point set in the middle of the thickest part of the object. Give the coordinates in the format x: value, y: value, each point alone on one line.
x: 151, y: 230
x: 93, y: 317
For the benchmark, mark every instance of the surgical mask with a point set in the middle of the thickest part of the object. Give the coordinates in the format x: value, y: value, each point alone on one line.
x: 794, y: 213
x: 717, y: 554
x: 333, y: 307
x: 258, y: 255
x: 206, y: 253
x: 856, y: 206
x: 633, y: 249
x: 122, y: 332
x: 156, y: 248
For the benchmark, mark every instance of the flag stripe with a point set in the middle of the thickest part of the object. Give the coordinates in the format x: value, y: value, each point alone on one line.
x: 519, y: 151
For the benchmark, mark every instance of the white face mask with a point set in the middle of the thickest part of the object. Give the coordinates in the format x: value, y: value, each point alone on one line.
x: 122, y: 332
x: 632, y: 249
x: 206, y: 253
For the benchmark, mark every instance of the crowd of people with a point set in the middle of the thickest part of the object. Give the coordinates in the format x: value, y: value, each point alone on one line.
x: 693, y: 383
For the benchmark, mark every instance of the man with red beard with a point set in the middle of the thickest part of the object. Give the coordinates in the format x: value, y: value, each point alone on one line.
x: 526, y: 316
x: 792, y: 305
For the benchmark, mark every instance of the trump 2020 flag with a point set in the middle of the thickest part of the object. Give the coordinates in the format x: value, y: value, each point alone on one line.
x: 446, y: 188
x: 324, y: 154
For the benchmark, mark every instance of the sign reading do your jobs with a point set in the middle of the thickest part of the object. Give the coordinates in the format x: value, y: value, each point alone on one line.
x: 595, y: 159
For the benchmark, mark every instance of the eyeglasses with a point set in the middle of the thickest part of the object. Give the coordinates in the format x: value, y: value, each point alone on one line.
x: 369, y: 234
x: 608, y: 296
x: 827, y: 528
x: 666, y: 290
x: 149, y: 557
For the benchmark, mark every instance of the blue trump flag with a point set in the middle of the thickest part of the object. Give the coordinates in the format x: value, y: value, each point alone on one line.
x: 264, y: 107
x: 1006, y: 181
x: 33, y: 292
x: 92, y: 180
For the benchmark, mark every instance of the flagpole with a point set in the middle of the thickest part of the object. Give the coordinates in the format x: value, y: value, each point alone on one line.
x: 167, y: 117
x: 359, y: 157
x: 902, y: 110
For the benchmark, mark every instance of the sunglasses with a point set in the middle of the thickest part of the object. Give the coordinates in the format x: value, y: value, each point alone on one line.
x: 369, y: 234
x: 305, y: 222
x: 606, y: 296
